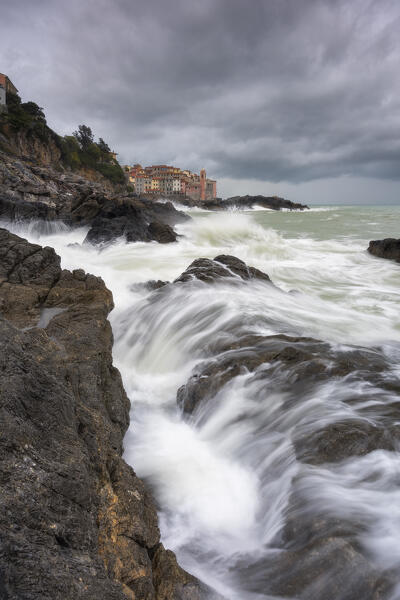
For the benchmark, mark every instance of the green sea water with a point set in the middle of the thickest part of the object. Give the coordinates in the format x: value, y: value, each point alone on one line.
x: 340, y: 222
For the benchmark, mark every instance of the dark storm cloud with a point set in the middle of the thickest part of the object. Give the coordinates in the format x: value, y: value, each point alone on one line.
x: 274, y: 90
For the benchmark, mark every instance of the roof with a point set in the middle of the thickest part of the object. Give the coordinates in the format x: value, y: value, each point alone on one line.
x: 6, y: 82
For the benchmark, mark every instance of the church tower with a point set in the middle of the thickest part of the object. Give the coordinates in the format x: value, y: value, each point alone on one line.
x: 203, y: 182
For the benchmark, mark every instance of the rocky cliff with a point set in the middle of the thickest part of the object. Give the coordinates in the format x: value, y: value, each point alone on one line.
x: 46, y: 193
x: 75, y: 520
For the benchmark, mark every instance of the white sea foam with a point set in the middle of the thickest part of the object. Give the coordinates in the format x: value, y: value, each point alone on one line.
x: 223, y: 478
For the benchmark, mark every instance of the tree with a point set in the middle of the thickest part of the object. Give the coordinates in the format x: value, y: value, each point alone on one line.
x: 103, y: 146
x: 31, y: 108
x: 84, y: 136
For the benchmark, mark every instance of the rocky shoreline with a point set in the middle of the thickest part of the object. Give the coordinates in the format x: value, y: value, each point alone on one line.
x: 75, y: 520
x: 46, y: 193
x: 248, y: 202
x: 239, y: 203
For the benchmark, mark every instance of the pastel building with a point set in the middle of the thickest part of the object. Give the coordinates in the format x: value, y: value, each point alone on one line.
x: 172, y: 181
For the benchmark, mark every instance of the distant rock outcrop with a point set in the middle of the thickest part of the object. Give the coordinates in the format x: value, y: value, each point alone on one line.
x: 387, y: 248
x: 246, y: 202
x: 75, y: 521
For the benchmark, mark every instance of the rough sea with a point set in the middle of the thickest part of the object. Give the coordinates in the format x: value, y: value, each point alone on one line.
x: 224, y: 478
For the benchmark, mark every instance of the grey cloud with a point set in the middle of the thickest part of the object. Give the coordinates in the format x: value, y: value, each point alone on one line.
x: 288, y: 90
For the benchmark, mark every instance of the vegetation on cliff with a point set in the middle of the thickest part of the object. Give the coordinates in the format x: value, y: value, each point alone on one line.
x: 80, y: 150
x: 77, y: 151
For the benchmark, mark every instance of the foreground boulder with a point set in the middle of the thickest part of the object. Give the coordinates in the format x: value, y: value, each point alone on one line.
x: 75, y: 520
x: 387, y: 248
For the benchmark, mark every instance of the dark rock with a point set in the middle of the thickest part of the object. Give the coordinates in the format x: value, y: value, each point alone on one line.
x: 208, y: 270
x: 303, y: 355
x: 131, y: 219
x: 332, y: 568
x: 240, y: 202
x: 238, y: 267
x: 341, y: 439
x: 161, y: 232
x: 247, y: 202
x: 75, y: 521
x: 170, y: 581
x: 29, y: 192
x: 155, y: 284
x: 14, y: 209
x: 388, y: 248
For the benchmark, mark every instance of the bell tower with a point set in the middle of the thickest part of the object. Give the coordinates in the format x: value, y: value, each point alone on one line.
x: 203, y: 182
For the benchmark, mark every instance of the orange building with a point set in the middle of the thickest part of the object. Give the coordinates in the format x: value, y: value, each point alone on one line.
x: 6, y: 87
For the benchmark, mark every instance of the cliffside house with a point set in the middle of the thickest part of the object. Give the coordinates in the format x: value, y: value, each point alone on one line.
x: 6, y: 87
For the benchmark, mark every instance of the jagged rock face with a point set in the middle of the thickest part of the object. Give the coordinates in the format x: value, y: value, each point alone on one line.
x: 32, y: 147
x: 224, y: 265
x: 75, y: 521
x: 134, y: 219
x: 387, y: 248
x: 29, y: 191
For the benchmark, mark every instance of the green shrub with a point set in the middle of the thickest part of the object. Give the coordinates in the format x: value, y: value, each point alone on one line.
x: 27, y: 116
x: 77, y: 150
x: 113, y: 172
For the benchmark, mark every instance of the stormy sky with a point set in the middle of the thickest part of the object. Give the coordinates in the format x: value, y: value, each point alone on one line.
x: 295, y: 97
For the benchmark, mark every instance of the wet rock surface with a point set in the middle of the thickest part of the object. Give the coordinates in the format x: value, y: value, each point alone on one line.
x: 31, y: 192
x: 387, y: 248
x: 208, y: 270
x: 75, y: 520
x: 335, y: 405
x: 246, y: 202
x: 240, y: 203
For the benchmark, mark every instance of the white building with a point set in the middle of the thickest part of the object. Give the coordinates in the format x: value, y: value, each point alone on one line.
x: 176, y: 185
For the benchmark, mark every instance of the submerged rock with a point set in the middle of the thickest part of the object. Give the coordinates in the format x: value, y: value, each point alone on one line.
x: 75, y: 520
x: 318, y: 408
x: 387, y: 248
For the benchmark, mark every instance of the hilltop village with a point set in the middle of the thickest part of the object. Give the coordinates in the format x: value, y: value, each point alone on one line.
x: 167, y: 180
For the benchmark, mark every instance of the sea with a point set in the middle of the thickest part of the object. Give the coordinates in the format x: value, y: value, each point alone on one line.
x: 223, y: 479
